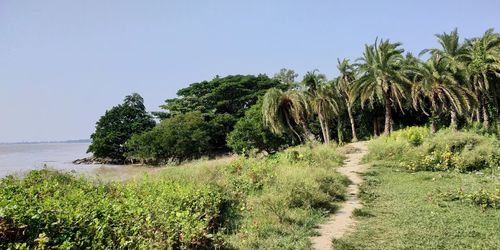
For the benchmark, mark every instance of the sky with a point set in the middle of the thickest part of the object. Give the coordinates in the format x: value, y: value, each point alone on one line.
x: 64, y: 63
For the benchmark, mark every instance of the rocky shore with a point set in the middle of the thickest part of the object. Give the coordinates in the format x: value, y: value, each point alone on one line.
x: 93, y: 160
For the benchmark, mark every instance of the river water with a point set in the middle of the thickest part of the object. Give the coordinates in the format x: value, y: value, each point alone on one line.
x: 19, y: 158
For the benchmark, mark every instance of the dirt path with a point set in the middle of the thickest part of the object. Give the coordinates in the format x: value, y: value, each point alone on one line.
x: 341, y: 222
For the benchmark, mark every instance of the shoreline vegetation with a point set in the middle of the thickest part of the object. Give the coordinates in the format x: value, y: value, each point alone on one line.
x: 430, y: 122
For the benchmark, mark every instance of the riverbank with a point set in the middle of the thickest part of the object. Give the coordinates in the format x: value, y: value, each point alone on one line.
x: 271, y: 202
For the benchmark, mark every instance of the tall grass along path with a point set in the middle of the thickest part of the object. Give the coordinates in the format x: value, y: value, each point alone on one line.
x: 342, y: 222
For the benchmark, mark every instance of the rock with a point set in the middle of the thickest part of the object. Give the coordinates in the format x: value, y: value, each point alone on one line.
x: 92, y: 160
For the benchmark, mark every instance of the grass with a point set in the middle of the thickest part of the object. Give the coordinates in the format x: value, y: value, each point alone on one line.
x: 454, y: 206
x: 272, y: 202
x: 407, y: 213
x: 279, y: 199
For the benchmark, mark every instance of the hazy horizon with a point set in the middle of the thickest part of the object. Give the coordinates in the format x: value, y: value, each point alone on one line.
x: 64, y: 63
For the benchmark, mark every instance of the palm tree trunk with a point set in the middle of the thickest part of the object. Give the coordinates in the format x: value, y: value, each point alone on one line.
x: 453, y: 123
x: 291, y: 127
x: 351, y: 119
x: 388, y: 114
x: 307, y: 133
x: 486, y: 117
x: 479, y: 106
x: 339, y: 132
x: 375, y: 127
x: 327, y: 131
x: 433, y: 123
x: 323, y: 128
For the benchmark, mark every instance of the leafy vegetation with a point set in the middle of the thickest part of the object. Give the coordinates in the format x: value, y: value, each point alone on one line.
x: 250, y: 135
x: 182, y: 137
x: 415, y: 150
x: 384, y: 90
x: 117, y: 125
x: 48, y: 209
x: 270, y: 202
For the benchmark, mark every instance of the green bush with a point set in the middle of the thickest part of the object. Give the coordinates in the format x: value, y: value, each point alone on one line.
x: 482, y: 197
x: 179, y: 138
x: 57, y: 210
x: 241, y: 203
x: 413, y: 135
x: 250, y: 134
x: 446, y: 150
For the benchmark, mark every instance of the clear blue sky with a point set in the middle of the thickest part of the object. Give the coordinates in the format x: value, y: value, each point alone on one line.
x: 63, y: 63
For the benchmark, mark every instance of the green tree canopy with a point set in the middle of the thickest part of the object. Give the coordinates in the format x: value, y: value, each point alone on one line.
x: 181, y: 137
x: 117, y: 125
x: 250, y: 133
x: 231, y: 94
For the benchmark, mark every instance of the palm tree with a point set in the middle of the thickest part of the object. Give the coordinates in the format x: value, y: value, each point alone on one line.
x: 436, y: 90
x: 451, y: 55
x: 343, y: 85
x: 282, y: 110
x: 325, y: 104
x: 483, y: 62
x: 312, y: 80
x: 382, y: 77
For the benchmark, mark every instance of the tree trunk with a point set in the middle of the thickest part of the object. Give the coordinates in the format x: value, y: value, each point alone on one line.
x: 479, y: 106
x: 433, y: 123
x: 291, y: 127
x: 453, y: 123
x: 388, y: 114
x: 339, y: 132
x: 486, y: 117
x: 307, y: 133
x: 375, y: 127
x: 327, y: 131
x: 353, y: 127
x: 322, y: 123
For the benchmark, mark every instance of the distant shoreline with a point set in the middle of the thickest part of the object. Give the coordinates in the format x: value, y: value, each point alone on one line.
x: 47, y: 142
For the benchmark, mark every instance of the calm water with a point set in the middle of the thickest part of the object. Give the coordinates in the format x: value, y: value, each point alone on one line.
x: 19, y: 158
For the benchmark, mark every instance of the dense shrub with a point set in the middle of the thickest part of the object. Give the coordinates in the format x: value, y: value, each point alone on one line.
x: 59, y: 210
x: 482, y: 197
x: 182, y: 137
x: 446, y: 150
x: 268, y: 202
x: 250, y: 134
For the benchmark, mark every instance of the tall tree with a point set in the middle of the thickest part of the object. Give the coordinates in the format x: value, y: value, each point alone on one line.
x: 283, y: 110
x: 382, y: 77
x: 326, y: 104
x: 483, y: 63
x: 450, y: 55
x: 323, y: 99
x: 118, y: 125
x: 312, y: 80
x: 436, y: 91
x: 286, y: 77
x: 343, y: 84
x: 232, y: 94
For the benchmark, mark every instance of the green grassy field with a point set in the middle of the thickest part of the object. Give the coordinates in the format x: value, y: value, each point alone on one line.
x: 411, y: 208
x: 405, y: 211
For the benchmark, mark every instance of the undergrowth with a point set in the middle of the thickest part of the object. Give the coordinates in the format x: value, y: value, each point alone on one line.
x: 272, y: 202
